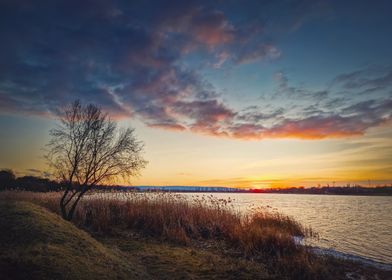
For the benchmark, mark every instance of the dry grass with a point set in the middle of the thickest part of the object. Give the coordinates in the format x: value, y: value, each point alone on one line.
x: 173, y: 217
x: 37, y: 244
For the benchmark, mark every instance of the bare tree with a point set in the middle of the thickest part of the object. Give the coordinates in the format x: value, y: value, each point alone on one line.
x: 87, y: 148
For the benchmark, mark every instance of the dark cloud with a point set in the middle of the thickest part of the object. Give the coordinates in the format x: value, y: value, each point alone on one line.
x: 350, y: 121
x: 209, y: 28
x: 124, y: 56
x: 37, y: 172
x: 131, y: 58
x: 369, y: 79
x: 285, y: 90
x: 256, y: 114
x: 209, y: 117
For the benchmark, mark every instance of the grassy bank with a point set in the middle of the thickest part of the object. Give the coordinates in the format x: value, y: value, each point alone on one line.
x: 170, y: 236
x: 37, y: 244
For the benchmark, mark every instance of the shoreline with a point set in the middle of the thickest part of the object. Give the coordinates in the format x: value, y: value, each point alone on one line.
x: 351, y: 257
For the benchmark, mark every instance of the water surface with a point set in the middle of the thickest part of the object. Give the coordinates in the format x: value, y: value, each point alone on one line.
x: 354, y: 225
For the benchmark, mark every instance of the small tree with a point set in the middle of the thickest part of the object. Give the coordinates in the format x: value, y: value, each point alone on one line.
x: 87, y: 149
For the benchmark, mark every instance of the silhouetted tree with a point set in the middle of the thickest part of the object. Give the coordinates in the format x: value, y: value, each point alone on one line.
x: 36, y: 184
x: 87, y: 149
x: 7, y: 179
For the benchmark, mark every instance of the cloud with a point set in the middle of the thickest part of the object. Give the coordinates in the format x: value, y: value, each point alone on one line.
x: 208, y: 117
x: 136, y: 61
x: 221, y: 59
x: 351, y: 121
x: 371, y: 78
x: 211, y: 28
x: 260, y: 52
x: 168, y: 126
x: 256, y: 114
x: 37, y: 172
x: 286, y: 90
x: 196, y: 26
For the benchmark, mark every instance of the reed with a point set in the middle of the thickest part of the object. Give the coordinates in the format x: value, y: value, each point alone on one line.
x: 175, y: 218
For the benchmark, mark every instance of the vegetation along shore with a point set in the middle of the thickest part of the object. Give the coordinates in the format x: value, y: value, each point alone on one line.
x: 158, y: 236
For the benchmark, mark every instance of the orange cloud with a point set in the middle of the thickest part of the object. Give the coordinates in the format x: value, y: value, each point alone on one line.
x: 173, y: 127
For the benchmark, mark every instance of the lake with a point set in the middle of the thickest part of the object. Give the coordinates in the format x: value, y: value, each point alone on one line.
x: 360, y: 226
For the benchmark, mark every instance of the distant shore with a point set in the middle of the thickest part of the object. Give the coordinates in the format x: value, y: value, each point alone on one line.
x: 355, y: 190
x: 39, y: 184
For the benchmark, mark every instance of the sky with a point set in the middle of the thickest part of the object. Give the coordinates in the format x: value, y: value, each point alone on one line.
x: 248, y: 94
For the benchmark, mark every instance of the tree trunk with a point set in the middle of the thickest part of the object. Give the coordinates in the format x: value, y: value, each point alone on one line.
x: 63, y: 205
x: 67, y: 213
x: 73, y: 207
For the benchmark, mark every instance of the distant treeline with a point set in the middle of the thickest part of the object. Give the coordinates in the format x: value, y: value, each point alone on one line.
x: 8, y: 181
x: 176, y: 189
x: 355, y: 190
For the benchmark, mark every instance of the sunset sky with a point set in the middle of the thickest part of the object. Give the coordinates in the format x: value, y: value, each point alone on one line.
x: 223, y: 93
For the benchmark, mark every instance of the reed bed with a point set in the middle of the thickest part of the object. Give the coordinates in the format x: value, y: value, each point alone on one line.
x: 172, y: 217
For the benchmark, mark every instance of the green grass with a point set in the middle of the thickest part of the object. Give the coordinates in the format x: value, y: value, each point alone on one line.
x: 37, y: 244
